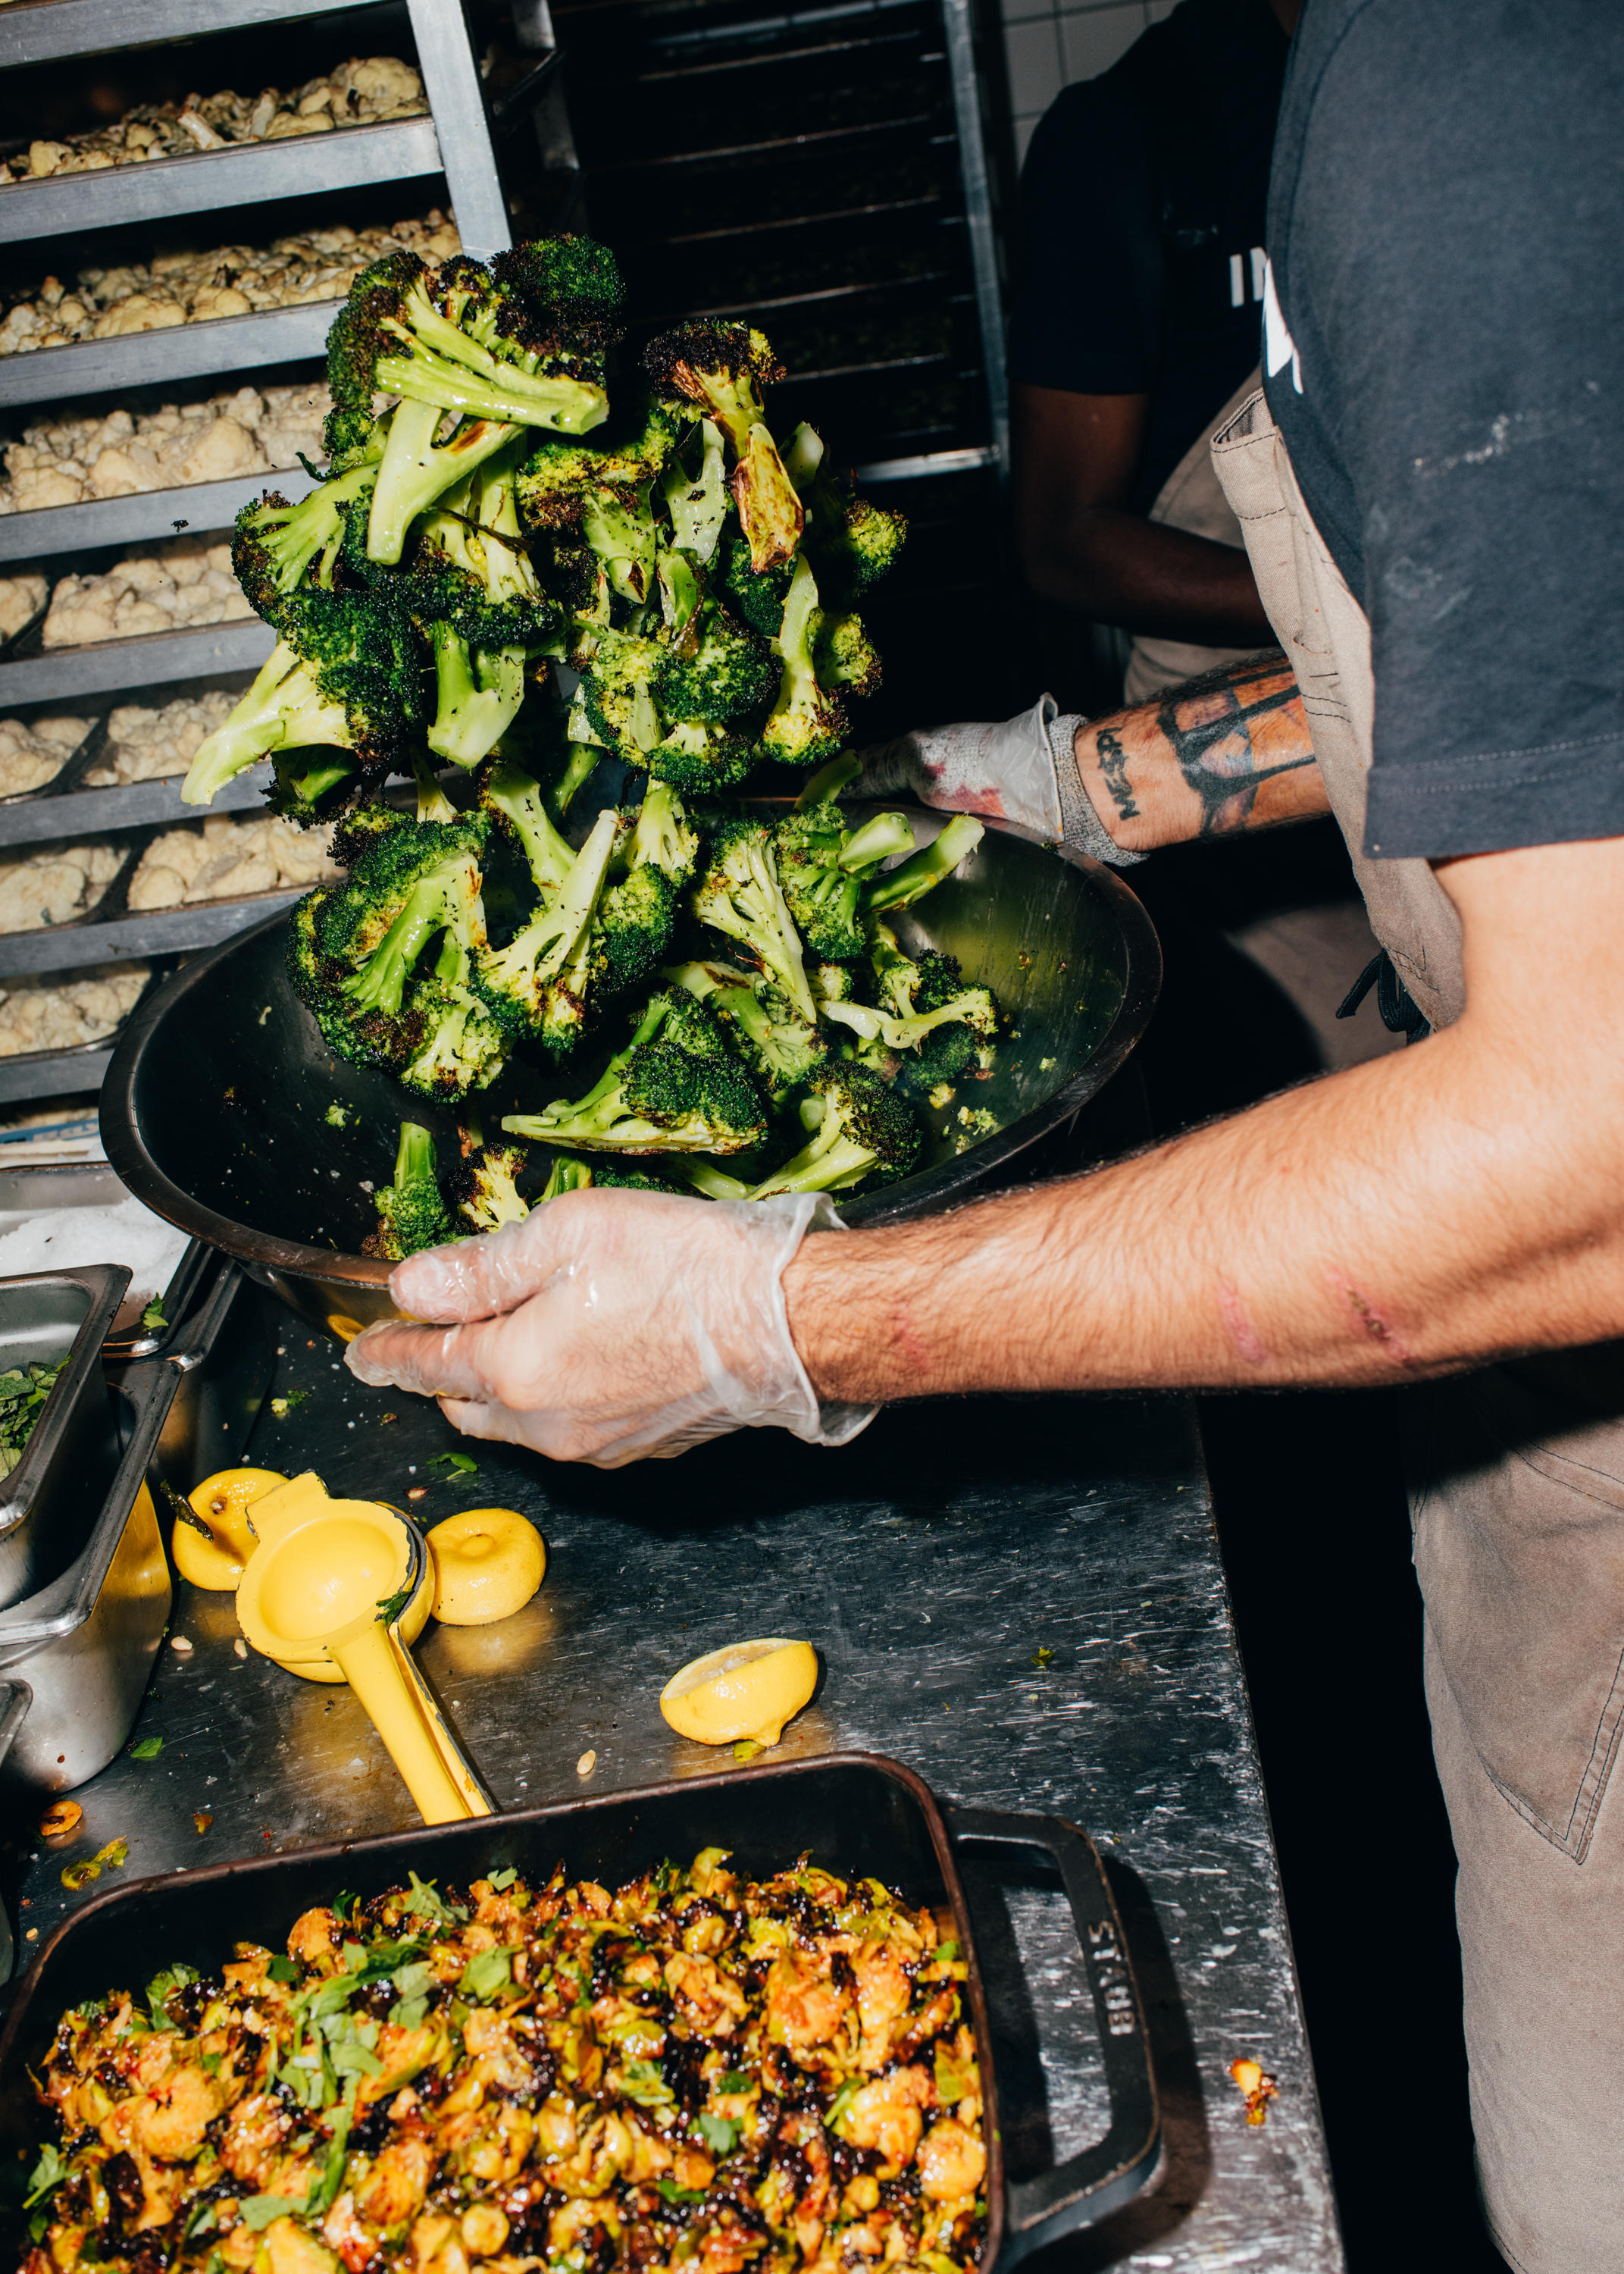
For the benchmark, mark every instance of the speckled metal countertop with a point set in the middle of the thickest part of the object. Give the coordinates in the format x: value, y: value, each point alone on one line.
x: 1021, y: 1599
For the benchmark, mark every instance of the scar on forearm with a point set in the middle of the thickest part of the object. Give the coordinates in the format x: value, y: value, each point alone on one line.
x: 1247, y: 1341
x: 910, y: 1345
x: 1370, y: 1322
x: 1114, y: 770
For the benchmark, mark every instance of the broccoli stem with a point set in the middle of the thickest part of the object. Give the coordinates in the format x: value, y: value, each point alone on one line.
x: 414, y: 471
x: 479, y: 694
x: 443, y: 365
x: 284, y: 708
x: 517, y: 797
x: 380, y: 983
x: 582, y: 760
x: 900, y: 887
x: 293, y: 536
x: 714, y: 1183
x: 828, y: 781
x: 877, y: 840
x: 698, y: 504
x: 561, y: 934
x: 433, y: 803
x: 832, y: 1161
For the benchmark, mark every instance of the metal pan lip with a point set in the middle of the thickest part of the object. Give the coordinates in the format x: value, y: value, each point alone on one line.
x: 412, y: 1844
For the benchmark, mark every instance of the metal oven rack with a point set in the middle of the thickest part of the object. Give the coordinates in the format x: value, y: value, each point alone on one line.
x: 830, y: 172
x: 466, y: 140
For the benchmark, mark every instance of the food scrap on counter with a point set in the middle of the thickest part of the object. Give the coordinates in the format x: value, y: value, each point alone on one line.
x: 1257, y: 2087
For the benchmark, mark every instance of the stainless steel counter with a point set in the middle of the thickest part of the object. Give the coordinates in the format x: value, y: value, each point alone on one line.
x: 1021, y: 1599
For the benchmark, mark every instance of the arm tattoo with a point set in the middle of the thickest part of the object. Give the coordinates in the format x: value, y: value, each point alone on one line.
x: 1114, y: 772
x: 1209, y: 723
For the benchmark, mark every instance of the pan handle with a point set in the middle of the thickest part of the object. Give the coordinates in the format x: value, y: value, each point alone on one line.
x: 1102, y: 2178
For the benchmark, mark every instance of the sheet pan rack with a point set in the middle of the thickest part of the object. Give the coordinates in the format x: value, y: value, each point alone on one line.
x: 466, y: 137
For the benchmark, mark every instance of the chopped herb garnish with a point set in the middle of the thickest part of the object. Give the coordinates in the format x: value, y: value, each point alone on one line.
x: 720, y: 2134
x: 486, y: 1975
x: 23, y: 1392
x: 147, y: 1750
x: 456, y: 1464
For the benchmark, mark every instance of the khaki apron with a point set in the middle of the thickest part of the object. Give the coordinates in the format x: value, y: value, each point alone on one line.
x: 1517, y: 1501
x: 1190, y: 499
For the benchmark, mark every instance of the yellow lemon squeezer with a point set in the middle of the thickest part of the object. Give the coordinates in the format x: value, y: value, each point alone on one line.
x: 335, y: 1590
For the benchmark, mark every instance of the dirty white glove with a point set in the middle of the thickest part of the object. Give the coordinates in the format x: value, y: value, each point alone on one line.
x: 610, y: 1325
x: 1018, y: 769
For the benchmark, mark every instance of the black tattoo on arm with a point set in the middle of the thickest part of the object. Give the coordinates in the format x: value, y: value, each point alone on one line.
x: 1209, y: 723
x: 1114, y: 770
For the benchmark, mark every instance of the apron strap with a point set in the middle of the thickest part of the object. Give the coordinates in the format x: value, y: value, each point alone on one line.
x: 1400, y: 1013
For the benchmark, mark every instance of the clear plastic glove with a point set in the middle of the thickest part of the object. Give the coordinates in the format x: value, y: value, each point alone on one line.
x: 608, y: 1326
x: 1020, y: 770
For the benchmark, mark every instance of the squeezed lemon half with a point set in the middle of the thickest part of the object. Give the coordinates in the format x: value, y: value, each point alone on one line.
x: 745, y: 1690
x: 222, y: 1502
x: 488, y: 1563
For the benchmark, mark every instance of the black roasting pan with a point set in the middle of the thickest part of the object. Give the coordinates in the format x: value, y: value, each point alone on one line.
x: 856, y: 1813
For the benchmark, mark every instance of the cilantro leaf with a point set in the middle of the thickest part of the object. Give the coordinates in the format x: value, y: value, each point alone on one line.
x: 486, y: 1975
x: 282, y: 1969
x: 47, y: 2175
x: 147, y: 1750
x: 720, y: 2134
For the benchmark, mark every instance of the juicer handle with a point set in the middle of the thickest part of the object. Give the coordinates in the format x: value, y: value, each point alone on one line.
x: 396, y: 1701
x: 1102, y: 2178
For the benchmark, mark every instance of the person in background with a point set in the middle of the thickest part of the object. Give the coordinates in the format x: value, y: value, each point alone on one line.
x: 1136, y: 335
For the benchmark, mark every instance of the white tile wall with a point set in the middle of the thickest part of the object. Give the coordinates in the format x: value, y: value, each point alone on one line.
x: 1051, y: 42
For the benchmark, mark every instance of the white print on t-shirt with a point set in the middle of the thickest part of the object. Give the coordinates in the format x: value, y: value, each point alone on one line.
x: 1279, y: 347
x: 1237, y: 275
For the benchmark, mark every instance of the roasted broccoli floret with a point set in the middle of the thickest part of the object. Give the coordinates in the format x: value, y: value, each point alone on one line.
x: 940, y: 1027
x: 782, y: 1049
x: 845, y: 656
x: 922, y: 872
x: 637, y: 915
x: 410, y: 884
x: 482, y: 1187
x: 699, y: 760
x: 721, y: 369
x: 758, y: 600
x: 867, y: 1136
x: 277, y: 547
x: 462, y: 340
x: 633, y: 1180
x: 573, y: 283
x: 851, y: 541
x: 346, y: 672
x: 738, y: 893
x: 823, y: 865
x: 412, y: 1216
x: 806, y: 723
x: 617, y: 693
x: 559, y: 478
x: 453, y: 1044
x: 537, y: 983
x: 676, y: 1088
x: 302, y: 785
x: 730, y: 672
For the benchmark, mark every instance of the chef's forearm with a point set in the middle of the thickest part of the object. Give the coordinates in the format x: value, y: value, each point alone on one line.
x: 1227, y: 752
x: 1120, y: 568
x: 1435, y: 1209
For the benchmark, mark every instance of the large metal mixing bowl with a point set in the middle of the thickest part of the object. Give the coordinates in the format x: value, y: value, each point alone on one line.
x: 218, y: 1109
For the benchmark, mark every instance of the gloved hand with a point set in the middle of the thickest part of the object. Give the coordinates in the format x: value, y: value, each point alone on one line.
x: 609, y: 1325
x: 1018, y: 769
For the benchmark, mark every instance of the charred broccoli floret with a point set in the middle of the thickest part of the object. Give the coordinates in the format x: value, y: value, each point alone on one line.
x: 866, y: 1136
x: 559, y: 478
x: 738, y: 893
x: 730, y: 673
x: 410, y: 886
x: 806, y: 723
x: 851, y: 541
x: 823, y: 865
x: 346, y: 672
x: 926, y: 1012
x: 453, y: 1044
x: 412, y: 1216
x: 700, y: 761
x: 758, y: 600
x: 482, y: 1186
x: 676, y: 1088
x: 617, y: 693
x: 537, y: 983
x: 637, y: 915
x: 781, y: 1050
x: 721, y: 369
x: 277, y: 547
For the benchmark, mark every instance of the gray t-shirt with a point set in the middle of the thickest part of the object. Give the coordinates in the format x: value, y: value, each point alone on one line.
x: 1445, y: 358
